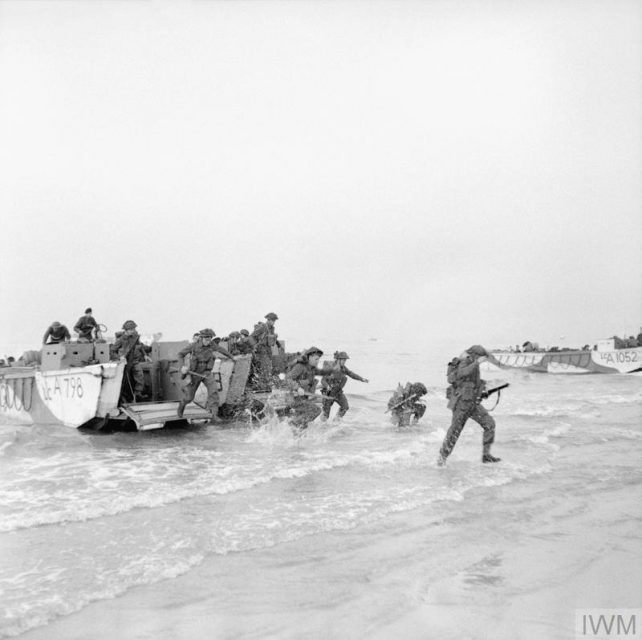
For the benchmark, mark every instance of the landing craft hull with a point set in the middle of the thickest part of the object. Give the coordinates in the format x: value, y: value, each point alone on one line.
x: 70, y: 397
x: 568, y: 362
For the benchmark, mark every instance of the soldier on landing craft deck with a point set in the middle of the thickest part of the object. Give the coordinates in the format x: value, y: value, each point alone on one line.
x: 264, y: 337
x: 86, y: 327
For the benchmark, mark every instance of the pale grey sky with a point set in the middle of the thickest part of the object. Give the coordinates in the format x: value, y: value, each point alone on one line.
x: 423, y: 171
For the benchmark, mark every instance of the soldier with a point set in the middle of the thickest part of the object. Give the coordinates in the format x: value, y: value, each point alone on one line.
x: 232, y: 343
x: 405, y: 404
x: 86, y: 326
x: 301, y: 380
x: 264, y: 338
x: 55, y: 333
x: 465, y: 393
x: 129, y: 346
x: 202, y: 357
x: 244, y: 342
x: 332, y: 385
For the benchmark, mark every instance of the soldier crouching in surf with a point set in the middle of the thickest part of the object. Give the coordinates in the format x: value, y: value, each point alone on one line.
x: 405, y: 404
x: 301, y: 380
x: 332, y: 385
x: 465, y: 393
x: 202, y: 357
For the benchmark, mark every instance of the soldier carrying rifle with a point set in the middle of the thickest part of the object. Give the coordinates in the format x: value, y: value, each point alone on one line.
x: 405, y: 403
x: 465, y: 393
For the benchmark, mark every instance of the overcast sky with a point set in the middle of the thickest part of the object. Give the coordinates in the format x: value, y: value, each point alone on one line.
x: 417, y: 171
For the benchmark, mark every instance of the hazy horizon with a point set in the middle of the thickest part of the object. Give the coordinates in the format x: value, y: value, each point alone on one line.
x: 418, y: 172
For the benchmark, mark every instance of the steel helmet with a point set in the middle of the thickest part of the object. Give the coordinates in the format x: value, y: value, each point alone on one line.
x: 419, y: 388
x: 271, y: 316
x: 341, y: 355
x: 311, y: 351
x: 244, y: 332
x: 207, y: 333
x: 234, y: 334
x: 129, y: 324
x: 477, y: 350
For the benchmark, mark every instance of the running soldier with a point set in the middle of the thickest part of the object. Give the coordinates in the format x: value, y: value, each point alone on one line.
x: 332, y: 385
x: 202, y: 355
x: 465, y: 393
x: 301, y: 380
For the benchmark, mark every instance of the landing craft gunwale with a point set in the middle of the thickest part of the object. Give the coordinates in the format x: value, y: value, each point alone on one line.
x: 577, y: 361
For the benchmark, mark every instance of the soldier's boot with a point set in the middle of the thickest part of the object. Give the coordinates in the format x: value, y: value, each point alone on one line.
x: 214, y: 411
x: 181, y: 407
x: 487, y: 457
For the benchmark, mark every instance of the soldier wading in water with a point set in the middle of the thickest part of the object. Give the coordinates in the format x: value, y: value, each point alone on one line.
x: 301, y: 380
x: 465, y: 393
x: 333, y: 382
x: 202, y: 357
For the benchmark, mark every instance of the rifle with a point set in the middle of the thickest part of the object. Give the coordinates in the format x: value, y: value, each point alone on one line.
x: 396, y: 406
x: 496, y: 390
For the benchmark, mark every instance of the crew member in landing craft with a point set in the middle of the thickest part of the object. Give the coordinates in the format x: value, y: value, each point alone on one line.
x: 55, y: 333
x: 465, y: 394
x: 202, y: 357
x: 86, y: 326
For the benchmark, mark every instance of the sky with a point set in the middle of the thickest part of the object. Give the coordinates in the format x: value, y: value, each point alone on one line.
x: 437, y: 172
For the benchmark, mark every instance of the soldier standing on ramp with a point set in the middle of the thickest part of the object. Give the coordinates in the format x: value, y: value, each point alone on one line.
x: 332, y: 385
x: 465, y: 393
x: 264, y: 338
x: 202, y: 357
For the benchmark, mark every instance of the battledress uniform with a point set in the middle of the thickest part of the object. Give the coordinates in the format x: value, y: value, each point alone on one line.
x: 332, y: 385
x: 202, y: 360
x: 303, y: 375
x: 466, y: 395
x: 130, y: 347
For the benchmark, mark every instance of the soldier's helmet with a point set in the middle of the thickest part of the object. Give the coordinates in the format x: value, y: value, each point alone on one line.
x: 271, y: 316
x: 129, y: 324
x: 244, y: 332
x: 419, y: 388
x: 55, y: 324
x: 477, y: 350
x: 311, y: 351
x: 88, y: 310
x: 207, y: 333
x: 234, y: 334
x: 341, y: 355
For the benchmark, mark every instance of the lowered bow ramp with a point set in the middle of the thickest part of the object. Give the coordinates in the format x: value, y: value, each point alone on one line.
x: 154, y: 415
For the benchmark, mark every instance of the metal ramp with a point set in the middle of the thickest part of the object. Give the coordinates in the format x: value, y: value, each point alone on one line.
x: 154, y: 415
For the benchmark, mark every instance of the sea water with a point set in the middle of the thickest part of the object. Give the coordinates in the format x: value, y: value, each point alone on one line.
x: 350, y: 530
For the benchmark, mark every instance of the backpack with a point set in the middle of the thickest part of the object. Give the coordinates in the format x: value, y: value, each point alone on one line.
x: 451, y: 375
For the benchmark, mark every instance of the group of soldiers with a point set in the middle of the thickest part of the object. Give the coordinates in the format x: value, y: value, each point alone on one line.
x: 87, y: 328
x: 196, y: 361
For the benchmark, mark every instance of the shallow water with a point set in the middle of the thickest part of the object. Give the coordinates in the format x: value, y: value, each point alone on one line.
x: 348, y: 531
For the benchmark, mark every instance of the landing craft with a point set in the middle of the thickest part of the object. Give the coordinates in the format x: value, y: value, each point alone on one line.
x: 604, y: 359
x: 78, y: 385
